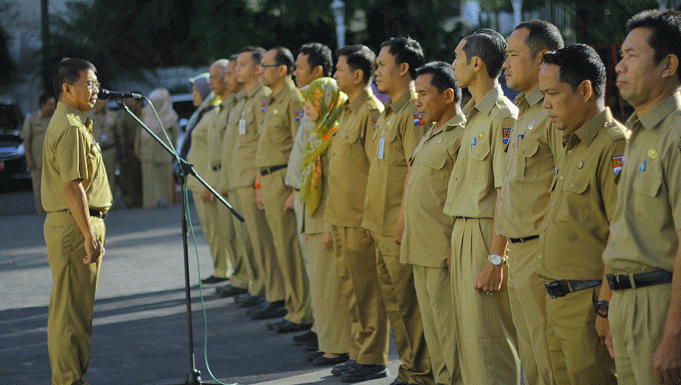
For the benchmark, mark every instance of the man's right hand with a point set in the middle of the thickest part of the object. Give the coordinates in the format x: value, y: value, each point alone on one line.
x: 93, y: 249
x: 207, y: 196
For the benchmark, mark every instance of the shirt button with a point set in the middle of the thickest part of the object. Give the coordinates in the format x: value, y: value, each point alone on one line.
x: 580, y: 165
x: 540, y: 257
x: 560, y: 177
x: 572, y: 185
x: 553, y: 204
x: 570, y: 152
x: 447, y: 203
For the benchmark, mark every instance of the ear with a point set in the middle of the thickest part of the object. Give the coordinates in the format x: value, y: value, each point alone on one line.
x: 671, y: 65
x: 65, y: 88
x: 449, y: 95
x: 585, y: 89
x: 357, y: 76
x: 404, y: 69
x: 318, y: 72
x: 540, y: 55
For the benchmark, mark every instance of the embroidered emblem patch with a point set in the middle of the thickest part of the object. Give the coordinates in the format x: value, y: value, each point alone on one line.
x: 299, y: 115
x: 263, y: 108
x: 617, y: 164
x: 418, y: 120
x: 507, y: 135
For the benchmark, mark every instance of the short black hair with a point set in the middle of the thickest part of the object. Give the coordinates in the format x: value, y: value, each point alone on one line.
x: 318, y: 55
x: 232, y: 58
x: 68, y: 71
x: 359, y: 57
x: 665, y: 38
x: 284, y: 57
x: 257, y: 53
x: 542, y: 36
x: 44, y: 98
x: 579, y: 62
x: 406, y: 50
x: 489, y: 46
x: 443, y: 77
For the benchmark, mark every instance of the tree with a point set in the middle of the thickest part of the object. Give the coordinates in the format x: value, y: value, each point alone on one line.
x: 9, y: 72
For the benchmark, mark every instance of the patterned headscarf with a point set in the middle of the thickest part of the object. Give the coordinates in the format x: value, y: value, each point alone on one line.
x: 328, y: 101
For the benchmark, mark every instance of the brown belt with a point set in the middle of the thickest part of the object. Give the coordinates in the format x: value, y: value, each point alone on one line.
x: 269, y: 170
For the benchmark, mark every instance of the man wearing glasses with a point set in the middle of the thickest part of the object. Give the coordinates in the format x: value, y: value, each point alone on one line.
x: 76, y: 196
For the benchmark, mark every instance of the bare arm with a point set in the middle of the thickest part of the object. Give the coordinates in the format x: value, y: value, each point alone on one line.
x: 78, y: 205
x: 603, y: 324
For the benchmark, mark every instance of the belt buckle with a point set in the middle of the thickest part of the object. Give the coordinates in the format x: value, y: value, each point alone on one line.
x: 553, y: 289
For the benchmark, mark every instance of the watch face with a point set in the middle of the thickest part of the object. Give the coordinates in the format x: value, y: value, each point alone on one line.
x: 496, y: 260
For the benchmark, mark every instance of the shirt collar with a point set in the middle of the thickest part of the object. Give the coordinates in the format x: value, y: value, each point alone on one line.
x: 69, y: 109
x: 486, y: 103
x: 590, y: 129
x: 658, y: 113
x: 532, y: 98
x: 254, y: 90
x: 359, y: 101
x: 400, y: 102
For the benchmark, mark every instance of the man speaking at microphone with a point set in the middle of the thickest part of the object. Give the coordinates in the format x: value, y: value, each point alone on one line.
x: 76, y: 196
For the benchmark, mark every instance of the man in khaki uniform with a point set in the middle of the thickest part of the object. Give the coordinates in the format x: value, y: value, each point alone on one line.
x: 576, y: 227
x: 314, y: 61
x: 533, y: 148
x: 248, y: 70
x: 244, y: 275
x: 427, y: 229
x: 221, y: 240
x: 76, y: 196
x: 399, y: 131
x: 486, y: 339
x: 354, y: 250
x: 279, y: 127
x: 33, y: 134
x: 645, y: 235
x: 130, y: 177
x: 105, y: 131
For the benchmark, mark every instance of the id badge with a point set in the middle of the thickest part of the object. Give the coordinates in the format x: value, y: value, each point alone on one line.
x: 381, y: 148
x: 242, y: 126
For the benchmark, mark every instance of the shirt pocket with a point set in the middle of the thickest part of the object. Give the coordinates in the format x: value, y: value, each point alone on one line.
x: 525, y: 152
x: 434, y: 162
x: 479, y: 164
x: 350, y: 134
x: 577, y: 204
x: 393, y: 152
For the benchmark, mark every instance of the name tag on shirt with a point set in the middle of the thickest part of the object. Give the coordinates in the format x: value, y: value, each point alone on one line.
x: 242, y: 126
x: 381, y: 148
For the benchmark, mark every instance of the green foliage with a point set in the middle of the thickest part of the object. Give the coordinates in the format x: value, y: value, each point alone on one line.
x: 9, y: 68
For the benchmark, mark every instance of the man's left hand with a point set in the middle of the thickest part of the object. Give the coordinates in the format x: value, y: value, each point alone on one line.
x: 489, y: 280
x: 667, y: 360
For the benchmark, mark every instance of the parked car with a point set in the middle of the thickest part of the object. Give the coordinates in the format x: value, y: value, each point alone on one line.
x: 12, y: 156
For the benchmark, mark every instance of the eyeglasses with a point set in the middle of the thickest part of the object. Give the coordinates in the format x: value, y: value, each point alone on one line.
x: 269, y: 65
x: 90, y: 85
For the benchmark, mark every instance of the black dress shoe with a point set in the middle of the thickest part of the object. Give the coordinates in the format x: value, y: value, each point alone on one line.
x: 301, y: 339
x: 272, y: 310
x: 312, y: 355
x: 340, y: 368
x: 275, y: 325
x: 213, y: 279
x: 248, y: 300
x: 292, y: 327
x: 360, y: 372
x: 257, y: 308
x: 311, y: 345
x: 324, y: 361
x: 231, y: 291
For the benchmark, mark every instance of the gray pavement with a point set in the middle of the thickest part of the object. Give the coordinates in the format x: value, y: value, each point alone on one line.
x: 140, y: 323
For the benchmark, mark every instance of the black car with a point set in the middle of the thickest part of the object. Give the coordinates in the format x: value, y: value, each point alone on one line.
x: 12, y: 156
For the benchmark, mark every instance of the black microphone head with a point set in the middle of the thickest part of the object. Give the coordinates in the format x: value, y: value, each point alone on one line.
x: 104, y: 94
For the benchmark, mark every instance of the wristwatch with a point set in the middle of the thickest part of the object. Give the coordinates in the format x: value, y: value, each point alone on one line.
x: 602, y: 308
x: 496, y: 259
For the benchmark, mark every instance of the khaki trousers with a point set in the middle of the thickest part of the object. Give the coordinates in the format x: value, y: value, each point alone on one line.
x: 487, y: 344
x: 637, y: 321
x: 210, y: 224
x: 578, y: 355
x: 355, y: 255
x: 266, y: 266
x: 69, y: 320
x: 299, y: 210
x: 283, y: 227
x: 157, y: 183
x: 36, y: 174
x: 432, y: 285
x: 399, y: 297
x: 331, y: 315
x: 527, y: 296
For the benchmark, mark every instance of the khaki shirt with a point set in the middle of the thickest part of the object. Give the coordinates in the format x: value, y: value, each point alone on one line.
x: 529, y: 168
x: 229, y: 140
x: 216, y: 133
x: 479, y: 168
x: 246, y: 144
x: 400, y: 129
x: 295, y: 160
x: 349, y: 155
x: 427, y: 230
x: 71, y: 153
x: 104, y: 128
x: 583, y: 198
x: 33, y: 132
x: 280, y: 126
x: 643, y: 232
x: 128, y: 129
x: 198, y: 153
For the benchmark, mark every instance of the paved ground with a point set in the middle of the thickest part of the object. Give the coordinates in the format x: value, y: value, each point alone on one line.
x: 140, y: 327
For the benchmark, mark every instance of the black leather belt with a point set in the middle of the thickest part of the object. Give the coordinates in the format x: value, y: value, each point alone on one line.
x: 269, y: 170
x: 217, y: 168
x: 633, y: 281
x: 516, y: 240
x: 463, y: 217
x: 562, y: 288
x: 97, y: 213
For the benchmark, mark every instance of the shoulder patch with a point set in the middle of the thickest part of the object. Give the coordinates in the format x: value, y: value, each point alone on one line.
x: 375, y: 124
x: 507, y: 134
x: 263, y: 107
x: 617, y: 162
x: 299, y: 115
x: 418, y: 120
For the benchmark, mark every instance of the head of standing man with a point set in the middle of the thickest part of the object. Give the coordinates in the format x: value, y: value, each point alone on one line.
x: 355, y: 69
x: 314, y: 61
x: 396, y: 66
x: 47, y: 105
x: 437, y: 96
x: 248, y: 67
x: 527, y: 44
x: 217, y: 78
x: 478, y: 61
x: 277, y: 68
x: 230, y: 78
x: 75, y: 83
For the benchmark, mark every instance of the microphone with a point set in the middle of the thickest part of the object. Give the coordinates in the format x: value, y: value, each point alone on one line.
x: 105, y: 94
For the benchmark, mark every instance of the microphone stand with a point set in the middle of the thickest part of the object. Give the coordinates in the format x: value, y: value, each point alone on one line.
x: 194, y: 375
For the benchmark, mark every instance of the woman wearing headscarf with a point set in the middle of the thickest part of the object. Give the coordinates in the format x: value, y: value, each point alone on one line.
x: 323, y: 106
x: 157, y: 186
